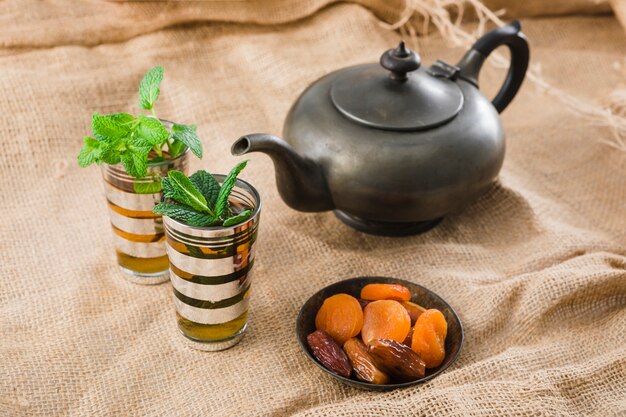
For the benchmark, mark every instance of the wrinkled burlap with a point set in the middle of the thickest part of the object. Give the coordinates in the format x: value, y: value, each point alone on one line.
x: 536, y: 268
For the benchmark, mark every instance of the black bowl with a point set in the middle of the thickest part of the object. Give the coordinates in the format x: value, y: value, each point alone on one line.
x: 420, y: 295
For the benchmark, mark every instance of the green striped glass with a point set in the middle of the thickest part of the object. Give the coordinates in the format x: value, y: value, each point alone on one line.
x: 211, y: 271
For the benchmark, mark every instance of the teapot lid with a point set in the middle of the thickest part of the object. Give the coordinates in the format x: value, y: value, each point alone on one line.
x: 388, y: 97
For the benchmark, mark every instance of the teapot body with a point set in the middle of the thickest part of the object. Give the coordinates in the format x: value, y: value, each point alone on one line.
x: 398, y: 177
x: 393, y: 148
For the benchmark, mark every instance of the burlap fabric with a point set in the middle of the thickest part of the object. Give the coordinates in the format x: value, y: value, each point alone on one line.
x: 536, y: 269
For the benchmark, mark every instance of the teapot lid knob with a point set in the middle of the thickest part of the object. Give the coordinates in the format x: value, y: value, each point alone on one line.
x: 370, y: 95
x: 400, y: 61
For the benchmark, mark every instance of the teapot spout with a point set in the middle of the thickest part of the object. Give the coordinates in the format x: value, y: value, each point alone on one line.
x: 300, y: 181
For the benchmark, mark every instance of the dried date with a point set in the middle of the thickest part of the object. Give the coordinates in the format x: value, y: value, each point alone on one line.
x: 409, y: 338
x: 328, y: 353
x: 414, y: 310
x: 397, y: 360
x: 362, y: 362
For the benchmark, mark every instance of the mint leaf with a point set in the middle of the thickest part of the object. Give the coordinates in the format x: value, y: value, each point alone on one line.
x: 244, y: 215
x: 110, y: 156
x: 188, y: 136
x: 89, y: 153
x: 148, y: 187
x: 149, y: 88
x: 109, y: 128
x: 221, y: 204
x: 207, y: 185
x: 181, y: 189
x: 184, y: 214
x: 175, y: 148
x: 123, y: 119
x: 168, y: 190
x: 150, y: 132
x: 135, y: 161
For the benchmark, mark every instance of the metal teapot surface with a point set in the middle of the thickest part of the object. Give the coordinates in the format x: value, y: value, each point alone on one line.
x: 393, y: 147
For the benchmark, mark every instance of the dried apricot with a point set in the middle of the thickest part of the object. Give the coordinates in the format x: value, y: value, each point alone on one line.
x: 340, y: 316
x: 414, y: 310
x: 385, y: 319
x: 437, y: 319
x: 385, y: 292
x: 429, y: 336
x: 398, y: 360
x: 364, y: 367
x: 328, y: 352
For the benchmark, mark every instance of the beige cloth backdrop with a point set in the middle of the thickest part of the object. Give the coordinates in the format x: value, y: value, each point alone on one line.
x: 536, y: 269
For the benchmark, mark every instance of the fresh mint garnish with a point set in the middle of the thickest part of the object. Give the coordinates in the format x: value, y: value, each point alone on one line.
x: 150, y: 131
x: 107, y: 128
x: 135, y: 141
x: 184, y: 192
x: 183, y: 214
x: 207, y: 185
x: 176, y: 147
x: 199, y: 200
x: 110, y: 155
x: 151, y: 184
x: 238, y: 218
x: 135, y: 160
x: 147, y: 187
x: 188, y: 136
x: 90, y: 152
x: 221, y: 204
x: 149, y: 88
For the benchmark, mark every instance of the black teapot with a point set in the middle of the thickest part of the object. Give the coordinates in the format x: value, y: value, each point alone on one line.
x: 393, y: 148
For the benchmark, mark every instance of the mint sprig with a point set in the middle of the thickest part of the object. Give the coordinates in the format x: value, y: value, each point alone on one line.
x: 135, y: 160
x: 90, y: 152
x: 221, y: 204
x: 231, y: 221
x: 148, y: 187
x: 207, y: 185
x: 188, y: 136
x: 134, y: 141
x: 149, y: 131
x: 183, y: 191
x: 112, y: 127
x: 199, y: 200
x: 149, y: 88
x: 183, y: 214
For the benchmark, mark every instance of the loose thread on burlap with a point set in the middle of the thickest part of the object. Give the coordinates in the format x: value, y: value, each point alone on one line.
x: 446, y: 16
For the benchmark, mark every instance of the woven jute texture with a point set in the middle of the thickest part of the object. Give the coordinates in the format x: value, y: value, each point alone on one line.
x: 536, y: 268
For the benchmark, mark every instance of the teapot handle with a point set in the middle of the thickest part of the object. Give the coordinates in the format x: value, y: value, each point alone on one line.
x: 511, y: 36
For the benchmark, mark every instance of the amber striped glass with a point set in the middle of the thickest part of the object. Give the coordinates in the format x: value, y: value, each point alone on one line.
x: 138, y: 234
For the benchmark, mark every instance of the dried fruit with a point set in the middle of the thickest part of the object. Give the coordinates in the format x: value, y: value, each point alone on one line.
x: 397, y: 360
x: 429, y: 336
x: 414, y: 310
x: 385, y: 319
x: 385, y: 292
x: 409, y: 338
x: 328, y: 352
x: 340, y: 316
x: 362, y: 362
x: 438, y: 320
